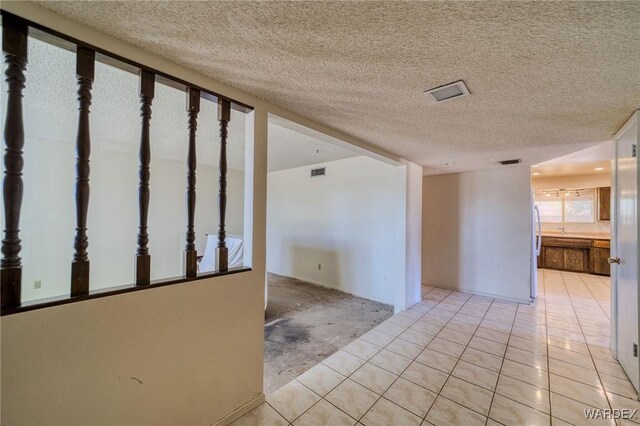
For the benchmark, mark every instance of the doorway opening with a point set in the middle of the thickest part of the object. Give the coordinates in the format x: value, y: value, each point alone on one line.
x: 584, y: 223
x: 334, y: 255
x: 572, y: 200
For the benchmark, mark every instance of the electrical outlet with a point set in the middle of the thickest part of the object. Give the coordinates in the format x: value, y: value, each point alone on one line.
x: 37, y: 284
x: 319, y: 266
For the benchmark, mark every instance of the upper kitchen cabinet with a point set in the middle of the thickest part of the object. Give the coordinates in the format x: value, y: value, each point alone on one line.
x: 604, y: 203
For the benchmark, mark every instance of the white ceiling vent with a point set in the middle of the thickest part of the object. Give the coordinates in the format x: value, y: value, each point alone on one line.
x: 450, y: 91
x: 318, y: 172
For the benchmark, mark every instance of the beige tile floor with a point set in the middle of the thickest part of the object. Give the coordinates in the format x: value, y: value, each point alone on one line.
x: 460, y: 359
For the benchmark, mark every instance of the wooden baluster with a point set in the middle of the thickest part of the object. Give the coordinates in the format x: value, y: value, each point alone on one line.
x: 143, y: 259
x: 190, y: 254
x: 85, y: 65
x: 222, y: 252
x: 14, y: 47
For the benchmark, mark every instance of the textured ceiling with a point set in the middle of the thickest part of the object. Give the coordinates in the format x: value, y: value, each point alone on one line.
x: 50, y: 116
x: 50, y: 111
x: 545, y: 78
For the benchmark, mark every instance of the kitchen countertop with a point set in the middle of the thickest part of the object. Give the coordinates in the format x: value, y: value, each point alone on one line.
x: 589, y: 235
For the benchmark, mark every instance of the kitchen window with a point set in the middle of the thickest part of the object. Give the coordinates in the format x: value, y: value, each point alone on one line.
x: 566, y: 206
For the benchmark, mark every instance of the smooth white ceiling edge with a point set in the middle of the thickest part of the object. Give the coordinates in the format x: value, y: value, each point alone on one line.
x: 324, y: 137
x: 633, y: 118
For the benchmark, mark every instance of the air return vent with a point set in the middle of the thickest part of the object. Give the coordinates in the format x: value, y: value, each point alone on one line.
x: 318, y: 172
x: 450, y: 91
x: 507, y: 162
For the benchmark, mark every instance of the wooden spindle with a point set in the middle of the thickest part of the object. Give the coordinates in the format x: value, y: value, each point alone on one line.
x: 14, y: 47
x: 190, y: 253
x: 143, y: 259
x: 222, y: 252
x: 85, y: 65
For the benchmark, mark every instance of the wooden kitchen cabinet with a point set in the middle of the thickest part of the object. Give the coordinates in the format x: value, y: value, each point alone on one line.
x: 599, y: 257
x: 553, y: 257
x: 575, y: 255
x: 604, y: 203
x: 576, y: 260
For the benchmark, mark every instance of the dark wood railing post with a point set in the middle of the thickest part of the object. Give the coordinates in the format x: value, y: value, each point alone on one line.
x: 85, y: 65
x: 190, y: 253
x: 143, y: 259
x: 222, y: 252
x: 14, y: 47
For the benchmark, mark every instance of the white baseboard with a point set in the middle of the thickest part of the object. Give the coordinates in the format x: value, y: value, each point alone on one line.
x: 239, y: 412
x: 526, y: 301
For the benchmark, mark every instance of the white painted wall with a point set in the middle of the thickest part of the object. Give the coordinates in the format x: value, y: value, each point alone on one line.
x: 410, y: 294
x: 575, y: 181
x: 189, y: 353
x: 197, y: 347
x: 477, y: 232
x: 596, y: 180
x: 350, y: 221
x: 48, y: 215
x: 48, y: 209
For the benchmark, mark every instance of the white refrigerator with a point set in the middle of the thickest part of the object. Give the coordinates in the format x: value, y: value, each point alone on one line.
x: 536, y: 243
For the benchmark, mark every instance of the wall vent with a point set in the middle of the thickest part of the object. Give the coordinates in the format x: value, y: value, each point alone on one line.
x: 450, y: 91
x: 507, y: 162
x: 318, y: 172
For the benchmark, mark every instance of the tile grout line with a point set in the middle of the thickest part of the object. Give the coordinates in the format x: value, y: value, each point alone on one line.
x: 568, y: 362
x: 405, y: 369
x: 591, y: 356
x: 277, y: 412
x: 338, y: 384
x: 341, y: 381
x: 349, y: 375
x: 346, y: 377
x: 578, y: 294
x: 459, y: 358
x: 500, y: 373
x: 593, y: 297
x: 548, y: 360
x: 458, y: 361
x: 588, y: 348
x: 495, y: 391
x: 546, y: 331
x: 424, y: 419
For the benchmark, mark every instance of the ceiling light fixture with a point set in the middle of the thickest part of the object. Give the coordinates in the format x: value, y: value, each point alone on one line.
x: 536, y: 174
x: 597, y: 169
x: 444, y: 93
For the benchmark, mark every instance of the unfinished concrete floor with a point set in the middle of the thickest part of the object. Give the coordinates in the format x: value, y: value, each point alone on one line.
x: 305, y: 323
